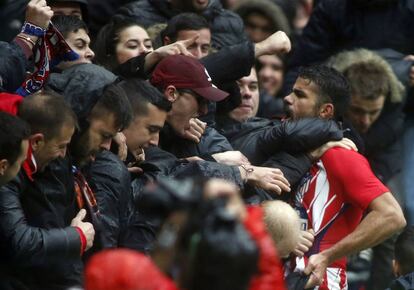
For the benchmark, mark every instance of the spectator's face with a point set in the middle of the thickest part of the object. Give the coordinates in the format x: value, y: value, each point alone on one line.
x: 230, y: 4
x: 97, y: 137
x: 9, y: 171
x: 133, y: 41
x: 196, y: 5
x: 363, y: 113
x: 144, y: 130
x: 186, y: 106
x: 67, y: 8
x: 201, y: 47
x: 258, y: 27
x: 249, y: 91
x: 79, y: 41
x: 303, y: 101
x: 46, y: 151
x: 270, y: 74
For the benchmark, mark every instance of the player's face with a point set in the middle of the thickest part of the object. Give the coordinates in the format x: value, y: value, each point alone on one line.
x: 302, y: 102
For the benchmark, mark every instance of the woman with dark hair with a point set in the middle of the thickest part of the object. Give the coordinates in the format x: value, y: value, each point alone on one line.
x: 119, y: 41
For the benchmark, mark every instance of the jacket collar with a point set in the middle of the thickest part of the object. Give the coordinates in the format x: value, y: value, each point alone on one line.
x: 30, y: 165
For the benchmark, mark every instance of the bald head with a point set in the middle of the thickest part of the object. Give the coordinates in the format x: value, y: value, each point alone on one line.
x: 283, y: 225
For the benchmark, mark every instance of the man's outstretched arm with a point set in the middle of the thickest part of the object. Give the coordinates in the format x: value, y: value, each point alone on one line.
x: 384, y: 218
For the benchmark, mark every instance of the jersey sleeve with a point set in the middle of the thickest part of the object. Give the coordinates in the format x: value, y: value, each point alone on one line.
x: 353, y: 175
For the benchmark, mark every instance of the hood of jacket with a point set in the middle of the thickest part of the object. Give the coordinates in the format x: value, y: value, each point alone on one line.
x: 271, y: 10
x: 81, y: 85
x: 342, y: 61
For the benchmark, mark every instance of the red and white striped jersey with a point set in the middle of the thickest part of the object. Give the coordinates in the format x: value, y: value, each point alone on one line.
x: 332, y: 199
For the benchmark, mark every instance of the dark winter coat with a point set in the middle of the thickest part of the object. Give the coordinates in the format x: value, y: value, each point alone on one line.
x: 405, y: 282
x: 211, y: 142
x: 39, y: 249
x: 337, y: 25
x: 159, y: 163
x: 226, y: 26
x: 110, y: 181
x: 13, y: 66
x: 258, y: 139
x: 12, y: 13
x: 383, y: 143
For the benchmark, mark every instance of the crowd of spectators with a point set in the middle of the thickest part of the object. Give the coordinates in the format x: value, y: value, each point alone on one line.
x: 206, y: 144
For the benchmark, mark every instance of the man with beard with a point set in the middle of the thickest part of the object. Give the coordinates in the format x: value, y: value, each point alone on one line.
x: 42, y: 232
x: 340, y: 198
x: 108, y: 175
x: 268, y: 142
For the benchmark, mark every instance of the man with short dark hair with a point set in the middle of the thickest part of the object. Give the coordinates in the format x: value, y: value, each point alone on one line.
x: 100, y: 120
x: 287, y: 145
x: 14, y: 135
x: 75, y: 33
x: 150, y: 110
x: 347, y: 207
x: 187, y: 25
x: 41, y: 227
x: 108, y: 175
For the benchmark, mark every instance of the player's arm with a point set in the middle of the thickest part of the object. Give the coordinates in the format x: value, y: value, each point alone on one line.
x: 384, y: 218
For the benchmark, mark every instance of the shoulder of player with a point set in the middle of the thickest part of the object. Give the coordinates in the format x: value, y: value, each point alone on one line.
x: 338, y: 156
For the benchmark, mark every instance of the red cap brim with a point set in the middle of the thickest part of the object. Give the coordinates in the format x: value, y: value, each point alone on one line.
x: 211, y: 93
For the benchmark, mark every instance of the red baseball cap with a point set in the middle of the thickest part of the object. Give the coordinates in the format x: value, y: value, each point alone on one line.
x: 124, y: 269
x: 184, y: 72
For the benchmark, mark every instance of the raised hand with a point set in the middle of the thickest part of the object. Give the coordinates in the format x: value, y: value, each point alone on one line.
x: 277, y: 43
x: 38, y: 13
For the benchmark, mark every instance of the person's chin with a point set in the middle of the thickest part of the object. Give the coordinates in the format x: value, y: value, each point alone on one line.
x: 246, y: 109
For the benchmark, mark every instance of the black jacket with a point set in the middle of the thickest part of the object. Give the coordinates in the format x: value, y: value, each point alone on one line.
x: 337, y: 25
x: 258, y: 139
x: 226, y: 26
x: 39, y: 249
x: 159, y: 163
x: 211, y: 142
x: 226, y: 65
x: 12, y: 13
x: 100, y: 13
x: 110, y: 181
x: 405, y: 282
x: 383, y: 143
x: 13, y: 66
